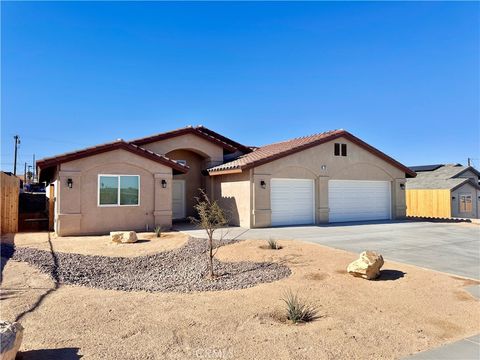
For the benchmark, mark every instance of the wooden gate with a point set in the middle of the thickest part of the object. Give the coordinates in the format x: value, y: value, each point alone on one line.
x: 10, y: 189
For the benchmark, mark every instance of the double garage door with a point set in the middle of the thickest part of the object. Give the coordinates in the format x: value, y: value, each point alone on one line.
x: 293, y: 201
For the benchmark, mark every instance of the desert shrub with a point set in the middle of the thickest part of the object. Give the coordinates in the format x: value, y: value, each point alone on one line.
x: 210, y: 218
x: 273, y: 244
x: 158, y: 231
x: 298, y: 311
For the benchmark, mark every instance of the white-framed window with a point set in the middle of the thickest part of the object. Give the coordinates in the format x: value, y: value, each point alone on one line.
x: 118, y: 190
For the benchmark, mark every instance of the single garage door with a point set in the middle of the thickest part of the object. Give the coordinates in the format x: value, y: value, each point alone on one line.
x: 356, y: 200
x: 292, y: 201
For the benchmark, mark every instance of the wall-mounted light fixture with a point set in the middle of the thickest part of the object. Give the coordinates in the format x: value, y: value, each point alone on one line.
x: 164, y: 183
x: 263, y: 184
x: 323, y: 167
x: 70, y: 183
x: 453, y: 197
x: 402, y: 186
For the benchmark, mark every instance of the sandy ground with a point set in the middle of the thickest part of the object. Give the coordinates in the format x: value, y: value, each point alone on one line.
x: 147, y: 243
x: 387, y: 319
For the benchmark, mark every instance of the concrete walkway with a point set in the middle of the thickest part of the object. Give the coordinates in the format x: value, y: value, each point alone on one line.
x: 466, y: 349
x: 447, y: 247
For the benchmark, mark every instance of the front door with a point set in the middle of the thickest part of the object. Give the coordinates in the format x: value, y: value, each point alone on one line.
x: 178, y: 199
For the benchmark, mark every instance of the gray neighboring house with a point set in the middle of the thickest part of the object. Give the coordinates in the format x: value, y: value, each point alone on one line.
x: 461, y: 181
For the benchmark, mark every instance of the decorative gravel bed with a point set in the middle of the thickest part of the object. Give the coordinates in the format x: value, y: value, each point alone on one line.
x: 179, y: 270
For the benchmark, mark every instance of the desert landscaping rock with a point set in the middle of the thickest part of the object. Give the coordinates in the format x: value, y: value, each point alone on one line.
x: 367, y: 266
x: 11, y: 335
x: 124, y: 237
x: 179, y: 270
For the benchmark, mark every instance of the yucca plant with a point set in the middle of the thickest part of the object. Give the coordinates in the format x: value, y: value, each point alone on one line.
x: 273, y: 244
x: 297, y: 310
x: 158, y: 231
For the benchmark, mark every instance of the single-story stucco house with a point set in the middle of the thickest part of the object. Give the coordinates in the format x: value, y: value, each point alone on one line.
x: 137, y: 185
x: 444, y: 191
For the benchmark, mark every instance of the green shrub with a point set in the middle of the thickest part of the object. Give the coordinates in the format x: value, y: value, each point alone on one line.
x: 158, y: 231
x: 297, y: 310
x: 273, y: 244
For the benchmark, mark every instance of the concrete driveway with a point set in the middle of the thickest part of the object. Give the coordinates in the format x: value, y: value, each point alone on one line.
x: 448, y: 247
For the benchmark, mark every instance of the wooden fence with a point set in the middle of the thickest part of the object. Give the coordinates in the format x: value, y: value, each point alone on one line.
x: 9, y: 188
x: 429, y: 203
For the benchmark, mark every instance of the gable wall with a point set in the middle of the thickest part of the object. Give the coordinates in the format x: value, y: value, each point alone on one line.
x: 209, y: 150
x: 359, y: 164
x: 77, y: 210
x: 466, y: 189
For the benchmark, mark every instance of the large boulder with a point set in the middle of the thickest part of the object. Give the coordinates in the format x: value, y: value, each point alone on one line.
x: 367, y: 266
x: 11, y: 335
x: 123, y: 236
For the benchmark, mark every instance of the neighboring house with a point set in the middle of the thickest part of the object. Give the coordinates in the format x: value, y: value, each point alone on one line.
x: 444, y: 191
x: 327, y: 177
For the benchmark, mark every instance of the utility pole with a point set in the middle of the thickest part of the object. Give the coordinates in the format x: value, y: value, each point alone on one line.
x: 34, y: 167
x: 25, y: 174
x: 17, y: 142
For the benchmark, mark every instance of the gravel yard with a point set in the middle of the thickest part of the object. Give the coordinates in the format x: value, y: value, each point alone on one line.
x: 179, y: 270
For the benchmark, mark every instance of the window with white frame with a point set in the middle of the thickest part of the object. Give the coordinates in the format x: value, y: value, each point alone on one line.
x: 118, y: 190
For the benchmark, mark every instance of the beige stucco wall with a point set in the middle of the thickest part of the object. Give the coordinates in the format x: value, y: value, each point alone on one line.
x: 233, y: 194
x: 77, y: 210
x: 465, y: 189
x: 212, y: 152
x: 358, y: 165
x: 193, y: 179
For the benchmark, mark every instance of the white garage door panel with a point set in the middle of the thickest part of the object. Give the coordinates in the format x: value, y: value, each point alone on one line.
x: 356, y: 200
x: 292, y: 201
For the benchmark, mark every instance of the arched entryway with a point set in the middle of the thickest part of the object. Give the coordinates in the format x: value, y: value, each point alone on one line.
x: 186, y: 186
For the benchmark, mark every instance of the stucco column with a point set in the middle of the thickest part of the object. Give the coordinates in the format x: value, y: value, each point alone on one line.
x: 261, y: 210
x: 399, y: 202
x: 163, y: 200
x: 322, y: 213
x: 68, y: 203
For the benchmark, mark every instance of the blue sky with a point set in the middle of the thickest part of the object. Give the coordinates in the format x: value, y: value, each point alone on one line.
x: 402, y: 76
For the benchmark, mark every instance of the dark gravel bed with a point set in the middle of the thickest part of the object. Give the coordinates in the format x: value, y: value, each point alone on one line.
x: 179, y: 270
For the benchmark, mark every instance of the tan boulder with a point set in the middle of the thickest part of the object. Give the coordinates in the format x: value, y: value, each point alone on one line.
x: 123, y: 236
x: 11, y: 335
x: 367, y: 266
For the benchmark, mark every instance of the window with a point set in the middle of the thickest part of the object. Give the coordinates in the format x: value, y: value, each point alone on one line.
x: 336, y: 151
x: 465, y: 203
x: 118, y: 190
x: 337, y: 147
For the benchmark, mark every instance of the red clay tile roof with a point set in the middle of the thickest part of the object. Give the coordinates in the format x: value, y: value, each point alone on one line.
x: 275, y: 151
x: 201, y: 131
x: 119, y: 144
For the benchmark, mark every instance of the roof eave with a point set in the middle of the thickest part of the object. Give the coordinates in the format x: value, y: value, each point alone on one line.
x: 180, y: 132
x: 225, y: 172
x: 46, y: 163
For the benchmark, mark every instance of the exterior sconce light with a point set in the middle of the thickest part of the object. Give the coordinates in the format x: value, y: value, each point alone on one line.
x: 69, y: 183
x: 453, y: 197
x: 164, y: 183
x: 263, y: 184
x: 323, y: 167
x: 402, y: 186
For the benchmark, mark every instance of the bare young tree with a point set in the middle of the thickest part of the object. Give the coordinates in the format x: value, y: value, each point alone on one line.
x: 210, y: 218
